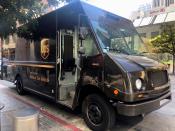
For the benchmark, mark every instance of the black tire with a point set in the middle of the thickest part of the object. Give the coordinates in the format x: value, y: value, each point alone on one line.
x: 19, y: 86
x: 94, y: 106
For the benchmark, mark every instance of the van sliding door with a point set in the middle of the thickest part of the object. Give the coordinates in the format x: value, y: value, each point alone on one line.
x: 67, y: 67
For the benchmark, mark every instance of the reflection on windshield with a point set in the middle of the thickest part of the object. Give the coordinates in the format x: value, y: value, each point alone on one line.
x: 118, y: 35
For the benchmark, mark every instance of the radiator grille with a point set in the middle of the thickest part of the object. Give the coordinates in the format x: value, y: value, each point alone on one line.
x: 157, y: 78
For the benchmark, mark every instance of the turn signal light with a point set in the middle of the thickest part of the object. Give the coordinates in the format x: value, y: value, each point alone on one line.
x: 116, y: 92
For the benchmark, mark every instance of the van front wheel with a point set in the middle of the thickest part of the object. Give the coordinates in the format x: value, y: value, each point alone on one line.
x: 98, y: 114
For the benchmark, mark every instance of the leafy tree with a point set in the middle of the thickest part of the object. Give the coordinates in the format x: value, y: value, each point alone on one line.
x: 165, y: 42
x: 21, y: 11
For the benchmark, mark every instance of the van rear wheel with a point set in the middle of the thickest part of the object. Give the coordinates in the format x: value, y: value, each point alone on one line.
x: 19, y: 86
x: 98, y: 114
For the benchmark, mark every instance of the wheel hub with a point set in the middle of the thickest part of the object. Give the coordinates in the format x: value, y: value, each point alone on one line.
x: 95, y: 114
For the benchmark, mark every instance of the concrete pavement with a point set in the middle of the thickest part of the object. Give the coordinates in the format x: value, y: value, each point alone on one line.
x: 51, y: 117
x: 55, y: 117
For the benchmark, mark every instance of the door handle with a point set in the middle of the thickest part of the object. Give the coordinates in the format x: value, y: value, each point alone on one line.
x: 58, y: 60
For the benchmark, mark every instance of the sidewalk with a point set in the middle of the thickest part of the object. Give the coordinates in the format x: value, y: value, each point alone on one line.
x: 13, y: 102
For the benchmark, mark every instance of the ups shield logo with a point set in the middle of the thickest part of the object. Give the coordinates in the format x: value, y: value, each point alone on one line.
x: 45, y: 48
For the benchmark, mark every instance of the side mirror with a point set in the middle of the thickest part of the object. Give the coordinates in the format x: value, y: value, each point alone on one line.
x: 81, y: 50
x: 83, y: 33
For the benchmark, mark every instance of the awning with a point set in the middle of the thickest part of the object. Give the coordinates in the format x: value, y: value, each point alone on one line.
x: 146, y: 21
x: 170, y: 17
x: 160, y: 18
x: 137, y: 22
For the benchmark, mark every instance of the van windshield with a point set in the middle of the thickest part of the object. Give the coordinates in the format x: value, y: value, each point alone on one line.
x: 118, y: 35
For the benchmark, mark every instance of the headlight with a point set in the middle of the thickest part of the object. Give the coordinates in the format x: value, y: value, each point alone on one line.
x: 138, y: 84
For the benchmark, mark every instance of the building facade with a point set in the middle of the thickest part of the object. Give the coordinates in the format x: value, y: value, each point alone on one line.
x: 155, y: 8
x: 148, y: 22
x: 162, y: 3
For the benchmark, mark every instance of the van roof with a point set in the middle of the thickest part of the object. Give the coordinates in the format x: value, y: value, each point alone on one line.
x: 66, y: 17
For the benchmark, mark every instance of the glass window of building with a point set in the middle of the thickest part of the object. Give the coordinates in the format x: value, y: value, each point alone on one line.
x: 14, y: 37
x: 170, y: 17
x: 137, y: 22
x: 154, y: 34
x: 143, y: 35
x: 156, y: 3
x: 7, y: 40
x: 160, y: 18
x: 167, y: 3
x: 146, y: 21
x: 162, y: 2
x: 171, y: 1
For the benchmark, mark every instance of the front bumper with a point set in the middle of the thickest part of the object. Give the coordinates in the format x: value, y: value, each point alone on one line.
x: 143, y: 107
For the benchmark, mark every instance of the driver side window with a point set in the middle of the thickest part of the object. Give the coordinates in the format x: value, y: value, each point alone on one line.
x: 87, y: 40
x: 90, y: 46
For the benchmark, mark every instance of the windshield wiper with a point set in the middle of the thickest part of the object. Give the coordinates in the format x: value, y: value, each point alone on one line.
x: 117, y: 50
x: 142, y: 53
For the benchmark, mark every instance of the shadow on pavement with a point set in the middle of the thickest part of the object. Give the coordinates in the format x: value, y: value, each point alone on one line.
x: 124, y: 123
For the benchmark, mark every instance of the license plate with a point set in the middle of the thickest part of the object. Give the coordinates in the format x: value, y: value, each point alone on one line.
x: 162, y: 102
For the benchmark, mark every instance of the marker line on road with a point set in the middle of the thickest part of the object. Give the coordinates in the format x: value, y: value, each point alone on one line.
x: 46, y: 113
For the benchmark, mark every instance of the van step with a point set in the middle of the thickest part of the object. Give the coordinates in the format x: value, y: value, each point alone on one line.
x: 72, y: 94
x: 68, y: 102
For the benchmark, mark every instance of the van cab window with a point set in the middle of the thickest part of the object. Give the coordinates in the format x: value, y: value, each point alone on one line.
x: 90, y: 46
x: 117, y: 35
